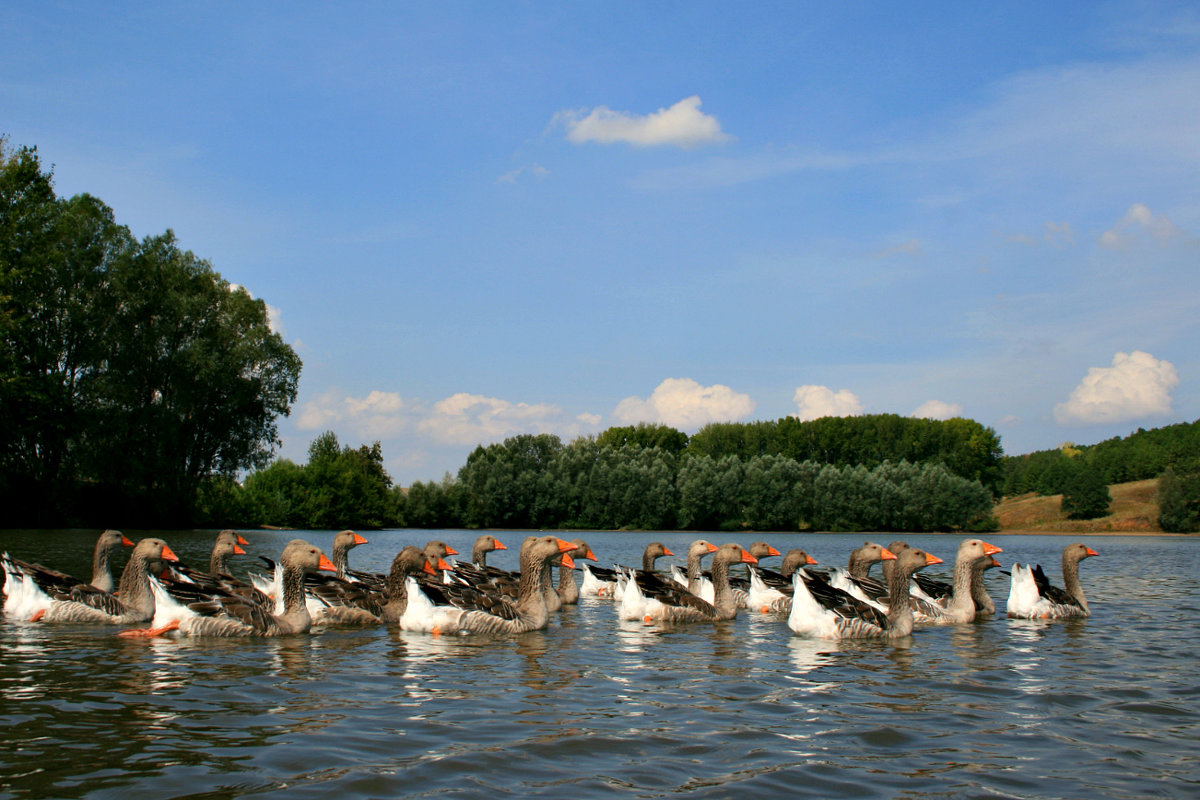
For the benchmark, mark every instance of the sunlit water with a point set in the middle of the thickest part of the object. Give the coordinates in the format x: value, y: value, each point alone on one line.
x: 591, y: 707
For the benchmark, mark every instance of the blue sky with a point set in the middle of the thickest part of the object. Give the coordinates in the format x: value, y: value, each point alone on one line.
x: 474, y: 220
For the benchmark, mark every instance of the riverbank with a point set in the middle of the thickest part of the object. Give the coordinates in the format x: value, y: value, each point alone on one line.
x: 1134, y: 510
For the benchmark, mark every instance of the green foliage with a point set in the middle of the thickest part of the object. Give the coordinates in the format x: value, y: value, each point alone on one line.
x: 965, y: 447
x: 1086, y: 494
x: 130, y: 372
x: 644, y: 435
x: 1179, y: 501
x: 1141, y: 455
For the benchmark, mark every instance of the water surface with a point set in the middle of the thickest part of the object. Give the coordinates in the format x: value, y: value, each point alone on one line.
x: 593, y: 707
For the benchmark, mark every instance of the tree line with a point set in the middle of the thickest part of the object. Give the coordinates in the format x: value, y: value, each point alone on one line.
x: 1082, y: 473
x: 131, y: 373
x: 638, y: 477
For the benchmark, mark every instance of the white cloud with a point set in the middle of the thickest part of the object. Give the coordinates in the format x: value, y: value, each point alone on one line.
x: 1136, y: 385
x: 815, y: 402
x: 461, y: 419
x: 379, y: 415
x: 1139, y: 220
x: 473, y: 419
x: 684, y: 403
x: 938, y: 409
x: 681, y: 125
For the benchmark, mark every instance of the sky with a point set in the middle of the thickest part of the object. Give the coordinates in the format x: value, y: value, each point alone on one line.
x: 474, y: 220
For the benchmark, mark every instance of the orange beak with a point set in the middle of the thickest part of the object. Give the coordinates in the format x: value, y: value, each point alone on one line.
x: 499, y: 544
x: 564, y: 546
x: 1092, y: 552
x: 667, y: 552
x: 771, y: 551
x: 930, y: 558
x: 995, y: 563
x: 991, y: 549
x: 326, y: 564
x: 238, y: 551
x: 450, y: 551
x: 712, y: 548
x: 590, y: 555
x: 443, y: 565
x: 809, y: 559
x: 748, y: 559
x: 125, y: 540
x: 567, y: 561
x: 428, y: 568
x: 888, y: 555
x: 359, y: 540
x: 169, y: 554
x: 242, y: 540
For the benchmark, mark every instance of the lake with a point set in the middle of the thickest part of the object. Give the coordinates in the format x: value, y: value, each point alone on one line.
x: 1107, y: 707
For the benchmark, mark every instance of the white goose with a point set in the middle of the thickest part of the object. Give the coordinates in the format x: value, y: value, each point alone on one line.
x: 820, y: 611
x: 1032, y: 597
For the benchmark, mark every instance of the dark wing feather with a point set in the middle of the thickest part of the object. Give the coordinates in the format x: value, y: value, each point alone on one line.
x: 670, y: 593
x: 841, y: 603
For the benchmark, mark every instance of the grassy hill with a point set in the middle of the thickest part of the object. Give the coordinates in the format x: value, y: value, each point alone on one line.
x: 1134, y: 509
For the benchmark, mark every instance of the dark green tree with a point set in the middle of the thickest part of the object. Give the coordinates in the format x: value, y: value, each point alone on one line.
x: 130, y: 372
x: 645, y: 434
x: 1086, y: 495
x: 1179, y: 501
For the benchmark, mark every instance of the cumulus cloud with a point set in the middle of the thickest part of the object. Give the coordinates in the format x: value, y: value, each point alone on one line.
x: 379, y: 415
x: 937, y: 409
x: 461, y: 419
x: 1136, y: 385
x: 815, y: 402
x: 684, y: 403
x: 681, y: 125
x: 471, y: 418
x: 1139, y: 221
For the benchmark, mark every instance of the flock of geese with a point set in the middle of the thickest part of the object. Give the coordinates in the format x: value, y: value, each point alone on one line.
x: 424, y: 592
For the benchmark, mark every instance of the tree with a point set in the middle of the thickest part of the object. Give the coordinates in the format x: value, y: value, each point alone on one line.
x: 645, y: 434
x: 1086, y: 495
x: 1179, y: 501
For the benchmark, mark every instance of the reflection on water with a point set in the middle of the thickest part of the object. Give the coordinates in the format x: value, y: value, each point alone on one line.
x: 593, y: 707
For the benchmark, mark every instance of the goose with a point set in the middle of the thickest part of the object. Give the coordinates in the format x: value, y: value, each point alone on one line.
x: 109, y: 542
x: 409, y: 561
x: 343, y: 543
x: 483, y: 609
x: 781, y: 581
x: 1032, y: 597
x: 230, y: 615
x: 693, y: 580
x: 821, y: 611
x: 857, y: 579
x: 740, y: 586
x: 483, y: 545
x: 567, y: 590
x: 604, y: 582
x: 228, y: 543
x: 674, y: 604
x: 960, y: 606
x: 36, y: 594
x: 924, y: 587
